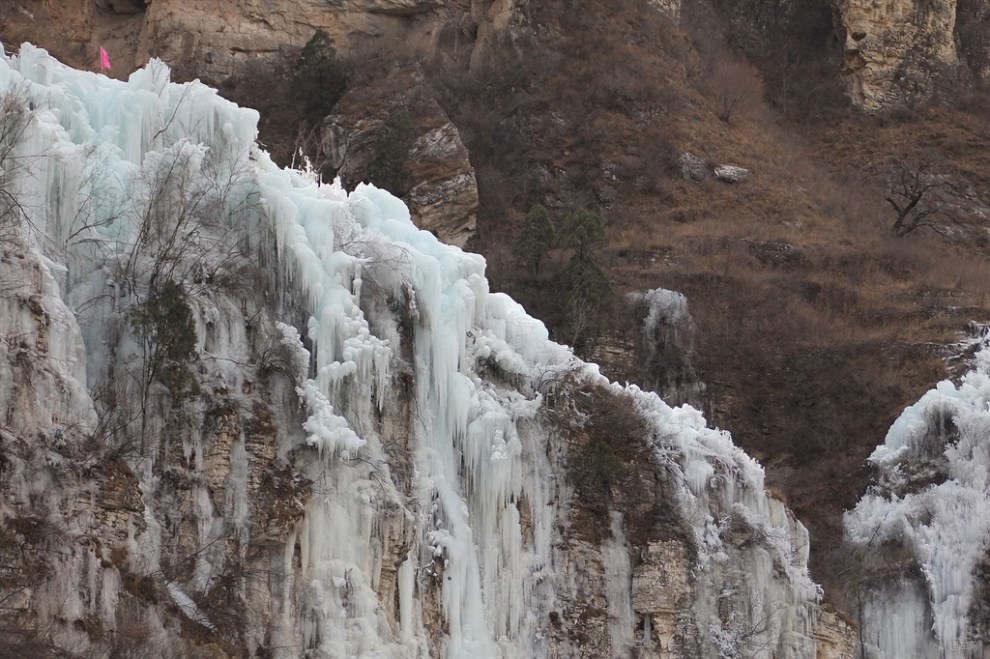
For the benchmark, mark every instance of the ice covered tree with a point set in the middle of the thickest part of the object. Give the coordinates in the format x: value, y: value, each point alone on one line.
x: 535, y: 240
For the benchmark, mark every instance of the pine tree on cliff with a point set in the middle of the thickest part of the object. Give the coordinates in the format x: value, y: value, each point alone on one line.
x: 319, y: 80
x: 535, y: 240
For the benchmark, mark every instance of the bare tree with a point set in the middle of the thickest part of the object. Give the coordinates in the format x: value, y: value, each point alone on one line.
x: 917, y: 192
x: 14, y: 119
x: 737, y: 87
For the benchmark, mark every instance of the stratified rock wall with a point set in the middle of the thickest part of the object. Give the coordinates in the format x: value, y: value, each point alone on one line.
x: 213, y: 38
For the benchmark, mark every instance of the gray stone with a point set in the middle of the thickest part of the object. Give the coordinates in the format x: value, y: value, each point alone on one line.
x: 693, y: 168
x: 731, y: 173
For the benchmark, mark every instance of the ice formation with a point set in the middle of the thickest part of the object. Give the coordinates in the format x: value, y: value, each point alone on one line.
x: 668, y: 334
x: 932, y: 499
x: 432, y: 524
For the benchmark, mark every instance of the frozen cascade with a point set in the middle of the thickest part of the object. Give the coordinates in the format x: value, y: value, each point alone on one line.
x: 426, y: 496
x: 668, y: 335
x: 931, y: 499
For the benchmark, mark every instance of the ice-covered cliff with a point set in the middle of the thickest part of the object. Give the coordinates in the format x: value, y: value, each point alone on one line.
x: 244, y: 413
x: 922, y: 533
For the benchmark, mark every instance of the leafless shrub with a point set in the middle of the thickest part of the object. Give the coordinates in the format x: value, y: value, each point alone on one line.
x: 15, y: 117
x: 737, y: 88
x: 918, y: 192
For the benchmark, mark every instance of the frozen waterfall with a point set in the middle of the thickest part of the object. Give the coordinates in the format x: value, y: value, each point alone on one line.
x: 429, y: 485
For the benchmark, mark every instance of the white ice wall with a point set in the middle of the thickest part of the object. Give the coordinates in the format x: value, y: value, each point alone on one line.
x: 931, y: 498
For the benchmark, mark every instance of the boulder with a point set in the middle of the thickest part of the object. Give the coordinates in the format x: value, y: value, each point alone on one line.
x: 731, y: 173
x: 692, y: 167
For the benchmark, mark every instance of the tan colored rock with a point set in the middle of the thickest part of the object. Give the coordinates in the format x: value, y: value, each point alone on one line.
x: 894, y: 49
x: 214, y: 39
x: 835, y: 634
x: 662, y: 589
x: 445, y: 199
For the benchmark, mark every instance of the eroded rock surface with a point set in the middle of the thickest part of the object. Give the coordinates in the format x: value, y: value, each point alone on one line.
x: 214, y: 39
x: 441, y: 190
x: 895, y: 49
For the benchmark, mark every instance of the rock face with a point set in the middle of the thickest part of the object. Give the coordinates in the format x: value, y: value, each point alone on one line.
x: 661, y: 588
x: 439, y: 184
x: 895, y: 49
x: 214, y: 39
x: 836, y: 636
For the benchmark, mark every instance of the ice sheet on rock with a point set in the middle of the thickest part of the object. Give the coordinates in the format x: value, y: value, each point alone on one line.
x: 932, y: 497
x: 189, y: 607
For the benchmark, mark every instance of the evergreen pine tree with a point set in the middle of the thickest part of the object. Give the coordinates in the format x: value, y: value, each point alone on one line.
x: 319, y: 80
x: 584, y: 232
x: 536, y: 238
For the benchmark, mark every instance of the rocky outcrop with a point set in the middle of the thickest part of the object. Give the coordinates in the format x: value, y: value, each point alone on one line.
x: 731, y: 173
x: 661, y: 595
x: 438, y: 183
x: 895, y: 50
x: 836, y: 635
x: 214, y: 40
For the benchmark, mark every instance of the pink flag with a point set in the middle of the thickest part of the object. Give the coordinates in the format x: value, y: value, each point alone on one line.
x: 104, y: 59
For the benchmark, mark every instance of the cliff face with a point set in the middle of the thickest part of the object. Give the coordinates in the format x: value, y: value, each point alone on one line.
x: 435, y: 179
x: 245, y: 414
x: 213, y: 39
x: 898, y: 53
x: 895, y: 51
